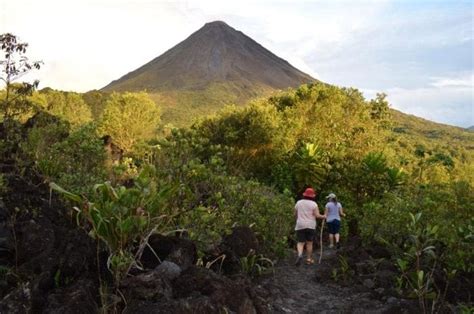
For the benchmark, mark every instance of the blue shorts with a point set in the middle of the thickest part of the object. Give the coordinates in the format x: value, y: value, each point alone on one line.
x: 334, y: 226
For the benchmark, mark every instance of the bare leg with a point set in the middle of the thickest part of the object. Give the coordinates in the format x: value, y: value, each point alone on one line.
x: 300, y: 248
x: 331, y: 240
x: 337, y: 237
x: 309, y: 249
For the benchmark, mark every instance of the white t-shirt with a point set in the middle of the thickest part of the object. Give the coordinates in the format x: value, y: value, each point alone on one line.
x: 305, y: 214
x: 333, y: 211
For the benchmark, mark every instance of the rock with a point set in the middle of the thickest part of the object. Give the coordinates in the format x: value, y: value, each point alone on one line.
x: 168, y: 270
x: 49, y: 247
x: 226, y: 257
x: 161, y: 247
x: 180, y: 251
x: 223, y: 260
x: 184, y: 253
x: 392, y: 300
x: 150, y: 286
x: 379, y: 251
x: 191, y: 305
x: 365, y: 267
x: 221, y: 291
x: 241, y: 241
x: 385, y: 278
x: 380, y: 291
x: 6, y: 243
x: 36, y: 241
x: 386, y: 264
x: 18, y: 301
x: 81, y: 297
x: 369, y: 283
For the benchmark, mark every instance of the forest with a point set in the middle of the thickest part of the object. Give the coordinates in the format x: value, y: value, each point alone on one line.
x: 120, y: 174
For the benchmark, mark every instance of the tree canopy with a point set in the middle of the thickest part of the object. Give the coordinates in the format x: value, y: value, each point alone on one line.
x: 129, y: 118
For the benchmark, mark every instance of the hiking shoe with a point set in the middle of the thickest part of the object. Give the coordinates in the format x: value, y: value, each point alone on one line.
x: 298, y: 260
x: 338, y: 246
x: 309, y: 261
x: 331, y: 246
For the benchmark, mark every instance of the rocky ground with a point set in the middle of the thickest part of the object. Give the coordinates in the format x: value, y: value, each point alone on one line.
x: 312, y: 289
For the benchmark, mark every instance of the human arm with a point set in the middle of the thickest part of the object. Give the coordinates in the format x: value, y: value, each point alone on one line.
x: 341, y: 212
x: 317, y: 214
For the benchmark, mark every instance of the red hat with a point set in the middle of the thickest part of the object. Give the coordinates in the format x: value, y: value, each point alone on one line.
x: 309, y: 192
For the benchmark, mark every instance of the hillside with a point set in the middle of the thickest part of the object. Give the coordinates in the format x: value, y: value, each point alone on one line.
x: 418, y: 129
x: 215, y: 65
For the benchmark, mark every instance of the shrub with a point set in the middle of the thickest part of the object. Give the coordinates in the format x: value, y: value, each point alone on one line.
x: 75, y: 161
x: 123, y: 218
x: 216, y: 201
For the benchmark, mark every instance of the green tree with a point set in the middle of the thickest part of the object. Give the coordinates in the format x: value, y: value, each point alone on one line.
x: 65, y: 105
x: 129, y: 118
x: 96, y: 101
x: 14, y: 65
x: 252, y: 137
x: 379, y: 108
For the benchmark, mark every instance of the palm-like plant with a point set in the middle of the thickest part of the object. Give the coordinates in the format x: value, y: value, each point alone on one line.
x: 308, y: 166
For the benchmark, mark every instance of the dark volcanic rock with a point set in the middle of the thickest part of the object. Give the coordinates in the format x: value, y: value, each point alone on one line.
x: 180, y: 251
x: 379, y: 251
x: 6, y: 242
x: 221, y: 291
x: 17, y: 301
x: 196, y: 290
x: 242, y: 241
x: 79, y: 298
x: 226, y: 257
x: 148, y: 286
x: 191, y: 305
x: 50, y: 252
x: 168, y: 270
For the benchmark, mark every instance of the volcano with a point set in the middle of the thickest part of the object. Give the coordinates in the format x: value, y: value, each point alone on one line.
x: 215, y: 65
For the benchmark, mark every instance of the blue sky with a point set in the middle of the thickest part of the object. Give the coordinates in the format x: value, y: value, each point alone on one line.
x: 418, y: 52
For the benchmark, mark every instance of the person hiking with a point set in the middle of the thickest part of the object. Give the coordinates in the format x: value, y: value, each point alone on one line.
x: 306, y: 212
x: 333, y: 213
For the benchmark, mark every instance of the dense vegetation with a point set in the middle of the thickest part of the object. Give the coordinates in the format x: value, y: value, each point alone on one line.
x: 404, y: 185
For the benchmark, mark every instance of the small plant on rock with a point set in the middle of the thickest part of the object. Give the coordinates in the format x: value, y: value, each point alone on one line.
x: 419, y: 263
x: 344, y: 271
x: 255, y: 264
x: 123, y: 218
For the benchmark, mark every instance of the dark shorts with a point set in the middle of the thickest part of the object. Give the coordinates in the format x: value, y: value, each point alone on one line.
x: 334, y: 226
x: 305, y: 235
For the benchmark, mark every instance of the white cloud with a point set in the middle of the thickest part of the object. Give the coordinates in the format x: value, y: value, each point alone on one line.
x: 464, y: 81
x: 450, y: 104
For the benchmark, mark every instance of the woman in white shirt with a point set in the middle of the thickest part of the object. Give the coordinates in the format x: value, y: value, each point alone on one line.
x: 306, y: 212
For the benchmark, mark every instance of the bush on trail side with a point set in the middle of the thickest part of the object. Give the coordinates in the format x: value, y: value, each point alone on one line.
x: 123, y: 218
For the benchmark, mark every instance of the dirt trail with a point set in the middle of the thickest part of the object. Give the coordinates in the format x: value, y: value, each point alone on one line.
x: 308, y: 289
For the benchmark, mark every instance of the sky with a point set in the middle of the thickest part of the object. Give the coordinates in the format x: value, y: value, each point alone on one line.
x: 420, y: 53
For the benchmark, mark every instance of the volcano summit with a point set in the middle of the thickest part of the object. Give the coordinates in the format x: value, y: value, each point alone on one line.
x: 215, y: 65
